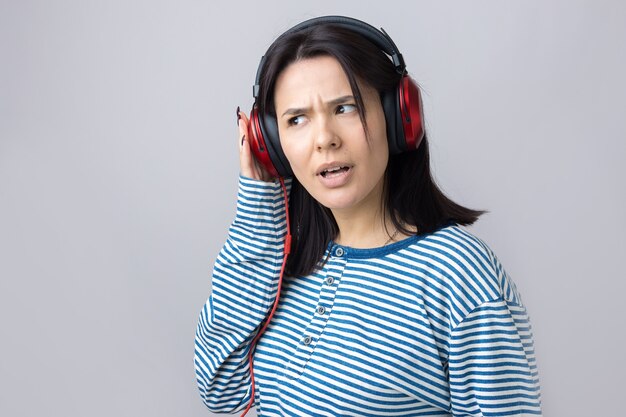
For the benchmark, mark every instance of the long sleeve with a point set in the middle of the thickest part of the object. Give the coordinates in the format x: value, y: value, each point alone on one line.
x: 492, y: 363
x: 244, y: 284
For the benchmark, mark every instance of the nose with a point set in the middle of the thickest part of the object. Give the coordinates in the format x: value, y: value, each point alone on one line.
x: 326, y: 136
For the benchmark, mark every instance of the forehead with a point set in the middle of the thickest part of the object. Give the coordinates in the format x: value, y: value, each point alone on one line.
x: 311, y: 78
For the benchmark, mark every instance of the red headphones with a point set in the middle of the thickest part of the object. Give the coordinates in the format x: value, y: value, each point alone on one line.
x: 402, y: 106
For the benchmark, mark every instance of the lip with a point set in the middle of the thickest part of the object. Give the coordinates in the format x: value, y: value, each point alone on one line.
x: 335, y: 180
x: 332, y: 165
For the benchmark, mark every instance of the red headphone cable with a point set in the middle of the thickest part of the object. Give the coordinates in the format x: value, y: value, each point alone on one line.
x: 286, y: 250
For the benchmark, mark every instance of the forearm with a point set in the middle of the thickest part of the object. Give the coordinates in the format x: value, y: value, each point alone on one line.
x: 244, y: 285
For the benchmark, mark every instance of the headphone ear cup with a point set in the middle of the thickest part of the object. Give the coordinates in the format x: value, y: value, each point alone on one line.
x: 395, y: 133
x: 258, y: 143
x: 411, y: 113
x: 267, y: 147
x: 404, y: 117
x: 269, y: 128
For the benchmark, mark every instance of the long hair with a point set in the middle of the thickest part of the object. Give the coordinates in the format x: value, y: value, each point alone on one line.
x: 410, y: 196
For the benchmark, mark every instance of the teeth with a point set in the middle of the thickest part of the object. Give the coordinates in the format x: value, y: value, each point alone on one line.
x: 331, y: 170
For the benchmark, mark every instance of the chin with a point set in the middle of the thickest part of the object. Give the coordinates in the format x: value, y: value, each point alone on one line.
x: 346, y: 198
x: 339, y: 203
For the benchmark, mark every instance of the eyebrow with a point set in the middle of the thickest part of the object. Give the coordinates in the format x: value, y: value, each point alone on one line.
x: 335, y: 101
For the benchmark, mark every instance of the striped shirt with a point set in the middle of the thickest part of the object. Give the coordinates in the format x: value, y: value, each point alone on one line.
x: 428, y: 326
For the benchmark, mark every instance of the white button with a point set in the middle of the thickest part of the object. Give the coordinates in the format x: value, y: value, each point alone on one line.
x: 306, y: 340
x: 339, y: 252
x: 321, y: 310
x: 330, y: 280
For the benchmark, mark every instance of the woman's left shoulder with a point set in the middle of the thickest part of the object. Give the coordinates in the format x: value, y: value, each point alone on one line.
x: 469, y: 263
x: 456, y: 242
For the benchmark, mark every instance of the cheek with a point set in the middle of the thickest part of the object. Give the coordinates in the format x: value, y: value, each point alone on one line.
x: 380, y: 151
x: 296, y: 154
x: 380, y: 165
x: 294, y: 141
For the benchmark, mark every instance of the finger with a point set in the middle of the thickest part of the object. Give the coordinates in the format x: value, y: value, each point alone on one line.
x: 246, y: 159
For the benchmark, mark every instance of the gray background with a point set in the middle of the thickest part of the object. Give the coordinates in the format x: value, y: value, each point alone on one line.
x: 118, y: 169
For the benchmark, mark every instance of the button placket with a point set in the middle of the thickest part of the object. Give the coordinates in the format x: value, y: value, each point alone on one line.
x: 310, y: 336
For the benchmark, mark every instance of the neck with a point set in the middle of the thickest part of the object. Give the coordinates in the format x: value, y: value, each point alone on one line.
x: 367, y: 224
x: 364, y: 229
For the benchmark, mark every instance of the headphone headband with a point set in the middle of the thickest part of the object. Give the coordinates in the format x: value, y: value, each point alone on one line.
x: 369, y: 32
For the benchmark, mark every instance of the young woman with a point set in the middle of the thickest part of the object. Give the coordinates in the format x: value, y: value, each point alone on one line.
x: 388, y: 306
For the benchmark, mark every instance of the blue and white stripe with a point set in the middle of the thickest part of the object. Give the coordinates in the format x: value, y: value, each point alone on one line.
x: 429, y: 326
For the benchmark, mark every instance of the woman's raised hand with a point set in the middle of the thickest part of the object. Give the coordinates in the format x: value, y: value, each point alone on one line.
x: 249, y: 165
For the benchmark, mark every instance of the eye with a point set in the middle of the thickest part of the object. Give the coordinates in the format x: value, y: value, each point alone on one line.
x: 296, y: 120
x: 346, y: 108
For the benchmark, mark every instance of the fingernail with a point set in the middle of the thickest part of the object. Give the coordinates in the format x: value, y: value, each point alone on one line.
x: 238, y: 115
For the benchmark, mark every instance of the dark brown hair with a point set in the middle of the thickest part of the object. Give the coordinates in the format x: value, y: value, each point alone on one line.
x: 411, y: 197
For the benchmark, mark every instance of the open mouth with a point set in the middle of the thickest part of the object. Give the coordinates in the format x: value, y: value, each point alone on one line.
x: 330, y: 172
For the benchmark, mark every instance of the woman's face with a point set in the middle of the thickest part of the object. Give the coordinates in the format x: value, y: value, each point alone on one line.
x: 323, y: 138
